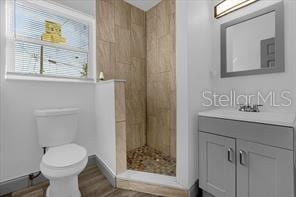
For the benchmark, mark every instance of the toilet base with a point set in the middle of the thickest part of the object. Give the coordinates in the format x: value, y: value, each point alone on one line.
x: 64, y: 187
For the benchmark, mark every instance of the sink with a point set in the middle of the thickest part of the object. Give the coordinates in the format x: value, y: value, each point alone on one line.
x: 274, y: 118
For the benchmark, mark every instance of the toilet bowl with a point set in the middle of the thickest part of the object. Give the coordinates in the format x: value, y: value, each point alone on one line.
x: 63, y: 160
x: 62, y: 165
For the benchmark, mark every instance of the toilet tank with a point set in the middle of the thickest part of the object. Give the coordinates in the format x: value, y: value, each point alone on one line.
x: 56, y: 126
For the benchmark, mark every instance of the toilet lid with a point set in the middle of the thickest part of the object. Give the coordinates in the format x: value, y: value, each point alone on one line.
x: 65, y: 155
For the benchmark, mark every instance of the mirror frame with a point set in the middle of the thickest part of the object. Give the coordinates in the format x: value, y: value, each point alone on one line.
x: 278, y: 8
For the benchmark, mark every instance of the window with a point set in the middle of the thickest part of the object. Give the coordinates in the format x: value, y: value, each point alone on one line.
x: 51, y: 40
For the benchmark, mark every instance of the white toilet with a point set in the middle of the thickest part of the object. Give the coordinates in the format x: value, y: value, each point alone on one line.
x: 63, y: 160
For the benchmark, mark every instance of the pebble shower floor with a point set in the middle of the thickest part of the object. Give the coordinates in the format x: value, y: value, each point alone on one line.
x: 147, y: 159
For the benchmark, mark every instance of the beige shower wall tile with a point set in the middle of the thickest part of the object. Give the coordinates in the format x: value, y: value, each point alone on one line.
x: 158, y: 93
x: 123, y: 71
x: 136, y: 135
x: 173, y: 143
x: 158, y: 136
x: 105, y: 20
x: 136, y: 108
x: 173, y: 6
x: 164, y: 140
x: 122, y: 45
x: 105, y: 61
x: 152, y: 105
x: 142, y: 134
x: 120, y: 111
x: 167, y: 58
x: 152, y: 138
x: 173, y: 114
x: 138, y: 75
x: 138, y: 41
x: 165, y: 49
x: 142, y: 109
x: 151, y: 41
x: 173, y: 31
x: 163, y: 12
x: 173, y: 73
x: 161, y: 77
x: 164, y: 91
x: 113, y: 56
x: 130, y: 113
x: 151, y: 34
x: 160, y: 82
x: 111, y: 1
x: 122, y: 14
x: 163, y: 62
x: 152, y: 58
x: 137, y: 16
x: 151, y: 24
x: 123, y: 27
x: 121, y: 161
x: 151, y: 13
x: 165, y: 44
x: 164, y: 9
x: 159, y: 55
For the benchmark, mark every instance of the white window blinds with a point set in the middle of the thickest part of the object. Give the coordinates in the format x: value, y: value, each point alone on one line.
x: 49, y: 44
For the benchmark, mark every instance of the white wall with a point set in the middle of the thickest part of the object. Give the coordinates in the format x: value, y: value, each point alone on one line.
x: 264, y: 83
x: 143, y: 4
x: 105, y: 124
x: 198, y: 69
x: 182, y: 171
x: 19, y: 150
x: 2, y: 42
x: 85, y: 6
x: 22, y: 152
x: 199, y: 61
x: 193, y: 48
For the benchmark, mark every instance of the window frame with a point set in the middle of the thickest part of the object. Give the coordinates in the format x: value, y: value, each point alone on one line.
x: 52, y: 8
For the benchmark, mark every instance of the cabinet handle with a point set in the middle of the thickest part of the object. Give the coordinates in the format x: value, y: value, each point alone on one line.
x: 243, y: 158
x: 230, y: 155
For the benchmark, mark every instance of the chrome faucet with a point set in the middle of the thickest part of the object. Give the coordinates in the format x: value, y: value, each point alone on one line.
x: 250, y: 108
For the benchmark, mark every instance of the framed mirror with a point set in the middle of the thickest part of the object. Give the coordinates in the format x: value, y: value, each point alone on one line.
x: 254, y: 44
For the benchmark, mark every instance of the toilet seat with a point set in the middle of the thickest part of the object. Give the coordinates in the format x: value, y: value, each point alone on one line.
x: 64, y: 160
x: 64, y: 156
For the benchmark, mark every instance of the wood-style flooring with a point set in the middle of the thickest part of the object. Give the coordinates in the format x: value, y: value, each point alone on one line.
x: 92, y: 183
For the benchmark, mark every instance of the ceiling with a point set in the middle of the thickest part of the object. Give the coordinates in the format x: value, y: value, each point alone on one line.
x: 143, y: 4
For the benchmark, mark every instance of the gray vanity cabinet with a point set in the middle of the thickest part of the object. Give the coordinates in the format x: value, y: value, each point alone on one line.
x: 264, y: 171
x: 230, y: 165
x: 217, y: 165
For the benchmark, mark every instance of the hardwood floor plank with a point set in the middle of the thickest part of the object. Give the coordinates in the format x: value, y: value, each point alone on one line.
x: 92, y: 183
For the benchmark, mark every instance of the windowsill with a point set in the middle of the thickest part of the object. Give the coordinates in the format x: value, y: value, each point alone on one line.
x: 46, y: 78
x: 111, y: 81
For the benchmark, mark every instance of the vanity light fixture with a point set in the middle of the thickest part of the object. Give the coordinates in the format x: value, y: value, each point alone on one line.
x: 228, y: 6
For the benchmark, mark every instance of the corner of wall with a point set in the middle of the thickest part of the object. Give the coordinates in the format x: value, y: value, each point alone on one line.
x: 182, y: 94
x: 194, y: 60
x: 2, y: 69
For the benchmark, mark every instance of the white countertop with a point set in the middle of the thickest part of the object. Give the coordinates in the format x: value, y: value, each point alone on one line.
x: 281, y: 118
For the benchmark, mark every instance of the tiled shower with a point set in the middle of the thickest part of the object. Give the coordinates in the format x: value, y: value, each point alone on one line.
x: 139, y: 47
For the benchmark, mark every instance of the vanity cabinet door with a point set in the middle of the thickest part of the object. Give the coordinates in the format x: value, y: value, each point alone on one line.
x: 217, y: 165
x: 264, y: 171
